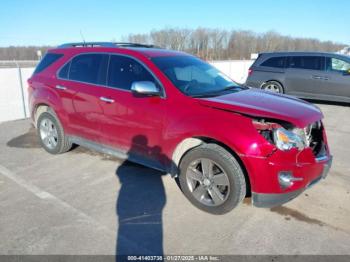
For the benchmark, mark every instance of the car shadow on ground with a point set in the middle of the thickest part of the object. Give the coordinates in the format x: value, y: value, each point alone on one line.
x: 331, y: 103
x: 139, y: 205
x: 140, y: 201
x: 27, y: 140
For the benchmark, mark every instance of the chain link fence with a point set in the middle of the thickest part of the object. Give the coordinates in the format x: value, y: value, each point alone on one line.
x: 18, y: 63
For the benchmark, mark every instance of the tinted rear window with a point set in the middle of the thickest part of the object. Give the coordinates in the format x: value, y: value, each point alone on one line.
x: 89, y: 68
x: 307, y: 62
x: 277, y: 62
x: 48, y: 60
x: 64, y: 71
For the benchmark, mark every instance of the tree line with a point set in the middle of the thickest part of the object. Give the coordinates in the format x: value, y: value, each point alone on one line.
x: 207, y: 43
x: 22, y: 52
x: 217, y: 44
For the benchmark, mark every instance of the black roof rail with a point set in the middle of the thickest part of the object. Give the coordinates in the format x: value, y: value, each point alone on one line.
x: 125, y: 44
x: 105, y: 44
x: 87, y: 44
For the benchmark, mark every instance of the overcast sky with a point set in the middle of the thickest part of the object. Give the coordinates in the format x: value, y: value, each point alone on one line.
x: 43, y: 22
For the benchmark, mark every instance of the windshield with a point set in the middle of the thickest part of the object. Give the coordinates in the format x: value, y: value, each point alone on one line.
x: 195, y: 77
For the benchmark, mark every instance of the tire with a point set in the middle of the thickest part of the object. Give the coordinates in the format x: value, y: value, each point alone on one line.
x: 226, y: 187
x: 50, y: 129
x: 273, y: 86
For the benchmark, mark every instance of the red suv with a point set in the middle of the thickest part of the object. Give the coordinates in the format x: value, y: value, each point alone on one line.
x: 174, y: 112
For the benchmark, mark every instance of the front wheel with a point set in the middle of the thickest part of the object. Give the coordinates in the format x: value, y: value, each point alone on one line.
x: 212, y: 179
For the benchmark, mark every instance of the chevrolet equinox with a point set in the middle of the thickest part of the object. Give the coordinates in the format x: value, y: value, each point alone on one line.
x: 176, y: 113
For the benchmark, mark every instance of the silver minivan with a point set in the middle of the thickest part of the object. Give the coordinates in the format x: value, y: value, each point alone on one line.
x: 313, y: 75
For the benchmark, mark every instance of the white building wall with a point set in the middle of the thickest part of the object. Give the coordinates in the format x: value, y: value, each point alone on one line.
x: 11, y: 105
x: 237, y: 70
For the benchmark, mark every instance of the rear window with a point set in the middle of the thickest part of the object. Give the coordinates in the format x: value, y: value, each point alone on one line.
x: 277, y: 62
x: 48, y: 60
x: 89, y: 68
x: 307, y: 62
x: 64, y: 71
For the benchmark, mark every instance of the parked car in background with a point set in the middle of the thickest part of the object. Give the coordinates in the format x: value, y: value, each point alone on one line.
x: 174, y: 112
x: 323, y: 76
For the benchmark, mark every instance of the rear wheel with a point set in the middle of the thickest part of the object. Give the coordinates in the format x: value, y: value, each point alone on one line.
x: 273, y: 86
x: 212, y: 179
x: 51, y: 134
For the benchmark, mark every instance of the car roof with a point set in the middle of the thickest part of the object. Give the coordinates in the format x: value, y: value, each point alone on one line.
x: 103, y: 47
x: 271, y: 54
x: 156, y: 52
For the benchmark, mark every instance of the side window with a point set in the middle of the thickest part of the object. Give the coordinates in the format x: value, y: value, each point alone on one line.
x: 48, y: 60
x: 337, y: 65
x: 307, y: 62
x: 277, y: 62
x: 124, y: 70
x: 63, y: 73
x: 89, y: 68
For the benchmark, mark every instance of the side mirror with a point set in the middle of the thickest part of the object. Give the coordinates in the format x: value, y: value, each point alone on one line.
x: 346, y: 73
x: 146, y: 88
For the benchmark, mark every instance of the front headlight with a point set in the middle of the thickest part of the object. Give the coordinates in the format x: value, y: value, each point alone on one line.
x: 286, y: 140
x: 283, y: 138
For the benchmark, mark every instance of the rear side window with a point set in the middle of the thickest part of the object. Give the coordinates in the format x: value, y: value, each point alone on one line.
x: 277, y: 62
x: 48, y: 60
x: 64, y: 71
x: 124, y: 70
x: 307, y: 62
x: 89, y: 68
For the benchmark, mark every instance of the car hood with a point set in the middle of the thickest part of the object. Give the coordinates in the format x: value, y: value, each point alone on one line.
x: 266, y: 104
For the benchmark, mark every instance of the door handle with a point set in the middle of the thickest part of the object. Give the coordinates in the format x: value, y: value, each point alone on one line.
x: 317, y: 77
x: 61, y: 87
x: 106, y: 99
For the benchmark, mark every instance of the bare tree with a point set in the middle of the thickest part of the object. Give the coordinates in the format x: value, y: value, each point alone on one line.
x: 213, y: 44
x: 207, y: 43
x: 21, y: 52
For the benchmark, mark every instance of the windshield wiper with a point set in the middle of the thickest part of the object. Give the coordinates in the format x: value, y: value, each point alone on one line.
x: 205, y: 95
x: 233, y: 87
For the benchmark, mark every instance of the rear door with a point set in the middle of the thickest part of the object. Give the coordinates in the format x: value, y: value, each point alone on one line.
x: 304, y: 74
x: 82, y: 78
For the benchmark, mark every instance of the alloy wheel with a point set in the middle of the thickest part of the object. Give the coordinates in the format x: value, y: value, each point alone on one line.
x: 208, y: 182
x: 48, y: 133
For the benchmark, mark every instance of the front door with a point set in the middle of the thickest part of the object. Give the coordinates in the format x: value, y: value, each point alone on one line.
x: 130, y: 122
x: 336, y: 79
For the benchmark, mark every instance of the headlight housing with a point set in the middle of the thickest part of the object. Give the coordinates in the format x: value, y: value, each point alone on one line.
x: 283, y: 138
x: 286, y: 140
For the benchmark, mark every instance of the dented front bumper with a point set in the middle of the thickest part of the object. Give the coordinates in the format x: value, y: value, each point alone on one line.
x: 277, y: 199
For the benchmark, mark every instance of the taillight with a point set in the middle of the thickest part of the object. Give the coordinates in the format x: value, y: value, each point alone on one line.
x: 250, y: 72
x: 30, y: 83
